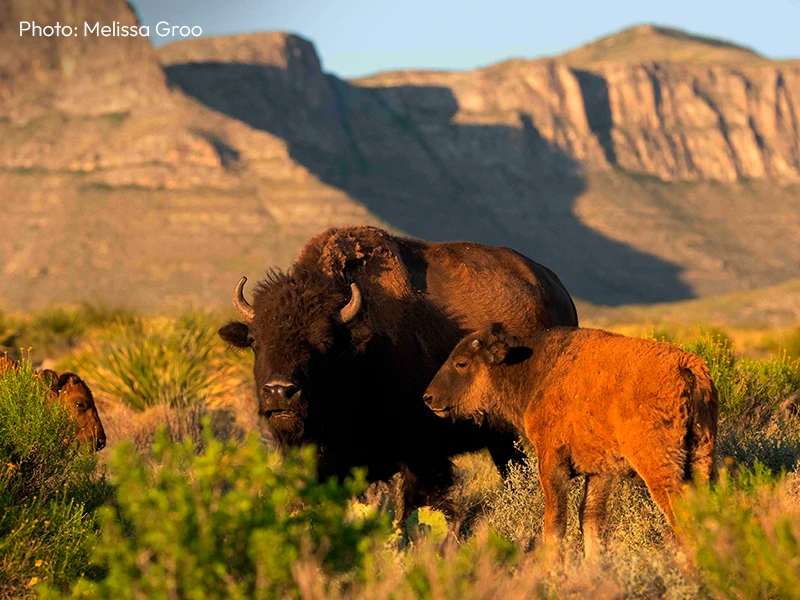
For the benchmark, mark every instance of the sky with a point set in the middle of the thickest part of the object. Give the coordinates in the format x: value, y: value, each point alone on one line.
x: 360, y: 37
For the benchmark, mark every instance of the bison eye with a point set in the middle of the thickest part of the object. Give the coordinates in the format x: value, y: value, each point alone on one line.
x: 80, y: 405
x: 461, y: 364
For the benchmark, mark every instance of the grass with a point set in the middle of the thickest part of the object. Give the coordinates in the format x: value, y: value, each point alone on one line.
x: 242, y: 522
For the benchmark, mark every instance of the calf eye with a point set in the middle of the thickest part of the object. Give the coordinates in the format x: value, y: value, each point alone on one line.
x: 80, y: 405
x: 461, y: 364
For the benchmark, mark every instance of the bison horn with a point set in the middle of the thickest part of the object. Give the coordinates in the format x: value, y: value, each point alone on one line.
x: 242, y: 306
x: 351, y: 309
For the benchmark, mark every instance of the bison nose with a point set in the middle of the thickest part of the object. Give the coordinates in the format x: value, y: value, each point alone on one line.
x: 100, y: 443
x: 283, y: 389
x: 428, y: 398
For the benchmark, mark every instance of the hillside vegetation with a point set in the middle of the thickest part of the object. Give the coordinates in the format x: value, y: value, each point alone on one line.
x: 650, y: 166
x: 246, y: 523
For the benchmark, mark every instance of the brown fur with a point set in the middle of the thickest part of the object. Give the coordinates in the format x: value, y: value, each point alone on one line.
x: 356, y: 386
x: 73, y: 394
x: 592, y: 403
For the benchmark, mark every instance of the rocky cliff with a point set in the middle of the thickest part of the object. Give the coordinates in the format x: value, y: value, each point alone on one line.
x: 637, y: 181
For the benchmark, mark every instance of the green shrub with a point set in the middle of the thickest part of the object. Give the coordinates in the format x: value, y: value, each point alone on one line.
x: 46, y: 488
x: 151, y: 361
x: 745, y: 533
x: 229, y: 522
x: 717, y: 352
x: 33, y: 452
x: 750, y: 390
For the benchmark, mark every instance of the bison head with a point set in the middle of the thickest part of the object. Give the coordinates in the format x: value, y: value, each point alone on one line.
x: 70, y: 390
x: 464, y: 386
x: 302, y: 328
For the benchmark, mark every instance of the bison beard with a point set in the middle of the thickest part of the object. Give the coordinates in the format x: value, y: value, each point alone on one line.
x: 346, y: 342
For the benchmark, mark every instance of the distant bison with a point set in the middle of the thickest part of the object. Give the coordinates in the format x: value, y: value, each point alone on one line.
x: 346, y: 341
x: 70, y: 390
x: 592, y: 403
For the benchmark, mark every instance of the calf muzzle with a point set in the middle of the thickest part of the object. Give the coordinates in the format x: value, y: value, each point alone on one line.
x: 439, y: 411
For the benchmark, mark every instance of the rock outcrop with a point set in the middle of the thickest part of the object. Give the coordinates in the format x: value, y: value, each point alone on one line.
x: 633, y: 167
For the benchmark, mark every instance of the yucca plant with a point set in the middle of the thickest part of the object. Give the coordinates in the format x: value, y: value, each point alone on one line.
x: 161, y: 360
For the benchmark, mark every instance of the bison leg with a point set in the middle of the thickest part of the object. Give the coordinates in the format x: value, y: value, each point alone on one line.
x: 663, y: 478
x: 593, y: 511
x: 504, y: 451
x: 554, y: 475
x: 427, y: 485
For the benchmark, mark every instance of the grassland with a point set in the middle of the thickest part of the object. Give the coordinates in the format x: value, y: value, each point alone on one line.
x: 189, y: 501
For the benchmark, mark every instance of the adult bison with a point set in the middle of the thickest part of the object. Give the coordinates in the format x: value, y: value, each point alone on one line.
x: 346, y: 341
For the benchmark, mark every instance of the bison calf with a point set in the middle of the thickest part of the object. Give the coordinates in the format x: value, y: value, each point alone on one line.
x: 71, y: 391
x: 592, y: 403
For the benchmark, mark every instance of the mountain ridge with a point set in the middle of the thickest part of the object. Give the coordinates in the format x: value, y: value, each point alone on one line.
x: 634, y: 183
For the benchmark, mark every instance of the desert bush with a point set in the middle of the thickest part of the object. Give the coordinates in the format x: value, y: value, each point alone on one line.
x: 516, y: 511
x: 47, y: 488
x: 161, y: 360
x: 33, y: 431
x: 750, y: 390
x: 227, y: 522
x: 745, y: 533
x: 717, y: 352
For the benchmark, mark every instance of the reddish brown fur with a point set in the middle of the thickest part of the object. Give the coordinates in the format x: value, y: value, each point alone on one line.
x: 592, y: 403
x: 71, y: 391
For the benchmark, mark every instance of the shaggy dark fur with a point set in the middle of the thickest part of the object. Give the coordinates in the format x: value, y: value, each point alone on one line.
x: 355, y: 389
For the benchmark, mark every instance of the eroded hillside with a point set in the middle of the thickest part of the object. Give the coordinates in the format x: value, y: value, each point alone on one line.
x: 141, y: 177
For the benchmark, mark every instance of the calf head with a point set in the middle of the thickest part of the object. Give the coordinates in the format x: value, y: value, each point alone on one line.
x: 73, y: 394
x: 466, y: 385
x: 300, y: 328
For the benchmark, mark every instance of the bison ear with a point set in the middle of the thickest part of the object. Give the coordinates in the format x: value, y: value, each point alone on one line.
x: 497, y: 352
x: 236, y: 334
x: 50, y: 377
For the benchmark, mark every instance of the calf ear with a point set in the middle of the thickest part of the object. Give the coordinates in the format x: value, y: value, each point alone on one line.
x: 236, y: 334
x: 50, y: 377
x: 496, y: 352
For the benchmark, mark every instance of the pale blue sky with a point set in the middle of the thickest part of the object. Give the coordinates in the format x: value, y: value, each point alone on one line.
x: 358, y: 37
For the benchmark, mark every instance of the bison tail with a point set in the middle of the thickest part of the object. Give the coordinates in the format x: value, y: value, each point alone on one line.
x: 701, y: 430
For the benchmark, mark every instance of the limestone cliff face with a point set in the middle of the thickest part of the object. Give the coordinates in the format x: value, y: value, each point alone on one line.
x: 689, y: 122
x: 667, y: 120
x: 79, y: 75
x: 144, y: 176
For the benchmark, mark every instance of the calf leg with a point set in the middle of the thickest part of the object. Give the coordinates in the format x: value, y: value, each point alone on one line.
x: 593, y: 511
x: 554, y: 475
x: 663, y: 478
